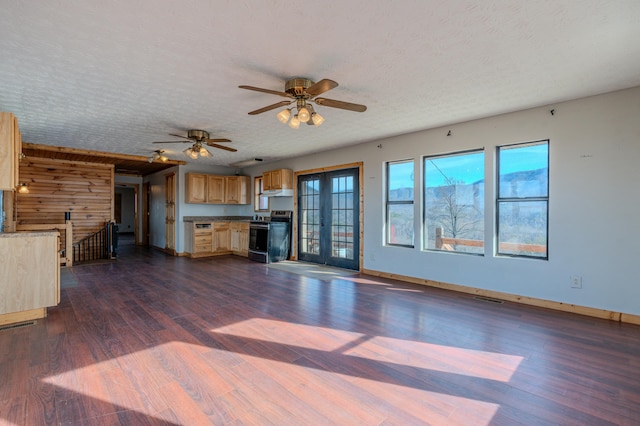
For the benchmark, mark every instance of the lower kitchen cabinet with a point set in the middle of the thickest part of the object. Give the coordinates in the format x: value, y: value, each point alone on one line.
x: 221, y: 238
x: 216, y: 238
x: 240, y: 238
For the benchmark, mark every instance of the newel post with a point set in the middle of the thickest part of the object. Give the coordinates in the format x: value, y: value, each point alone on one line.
x: 438, y: 238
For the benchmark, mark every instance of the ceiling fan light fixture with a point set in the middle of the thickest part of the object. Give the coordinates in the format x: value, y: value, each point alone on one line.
x: 295, y: 122
x: 303, y: 114
x: 284, y: 115
x: 191, y: 153
x: 204, y: 152
x: 317, y: 119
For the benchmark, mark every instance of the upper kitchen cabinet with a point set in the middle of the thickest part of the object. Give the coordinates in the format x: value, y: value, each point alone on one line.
x: 277, y: 179
x: 214, y: 189
x: 10, y: 151
x: 236, y: 189
x: 196, y: 191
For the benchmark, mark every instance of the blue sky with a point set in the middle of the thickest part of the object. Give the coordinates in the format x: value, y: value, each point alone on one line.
x: 469, y: 167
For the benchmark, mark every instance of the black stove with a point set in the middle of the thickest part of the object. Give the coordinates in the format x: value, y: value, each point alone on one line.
x: 270, y: 238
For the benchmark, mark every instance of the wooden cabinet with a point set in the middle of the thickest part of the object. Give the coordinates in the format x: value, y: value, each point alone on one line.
x: 202, y: 188
x: 215, y: 189
x: 240, y: 238
x: 277, y: 179
x: 221, y: 237
x: 10, y: 151
x: 30, y: 271
x: 215, y: 238
x: 196, y: 188
x: 199, y: 239
x: 236, y: 189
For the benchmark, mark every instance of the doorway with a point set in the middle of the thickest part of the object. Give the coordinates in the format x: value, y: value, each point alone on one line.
x: 170, y: 213
x: 125, y: 213
x: 329, y: 218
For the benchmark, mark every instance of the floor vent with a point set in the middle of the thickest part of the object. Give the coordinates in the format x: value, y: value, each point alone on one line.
x: 488, y: 299
x: 17, y: 325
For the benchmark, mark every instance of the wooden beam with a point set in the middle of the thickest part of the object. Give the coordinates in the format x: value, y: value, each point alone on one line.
x: 101, y: 154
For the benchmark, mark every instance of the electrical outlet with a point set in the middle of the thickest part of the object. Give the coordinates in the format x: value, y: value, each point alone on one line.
x: 576, y: 281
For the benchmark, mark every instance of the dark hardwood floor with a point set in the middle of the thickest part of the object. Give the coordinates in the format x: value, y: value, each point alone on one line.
x: 155, y: 339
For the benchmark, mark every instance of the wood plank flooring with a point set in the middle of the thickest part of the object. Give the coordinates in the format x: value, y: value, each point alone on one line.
x: 152, y: 339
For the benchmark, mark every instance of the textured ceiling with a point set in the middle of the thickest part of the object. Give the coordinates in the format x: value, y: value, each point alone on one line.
x: 117, y: 75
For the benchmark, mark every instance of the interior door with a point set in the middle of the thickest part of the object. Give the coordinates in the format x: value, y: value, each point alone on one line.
x: 328, y: 218
x: 170, y: 212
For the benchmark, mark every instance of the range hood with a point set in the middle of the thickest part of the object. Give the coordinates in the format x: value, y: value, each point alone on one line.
x: 278, y: 192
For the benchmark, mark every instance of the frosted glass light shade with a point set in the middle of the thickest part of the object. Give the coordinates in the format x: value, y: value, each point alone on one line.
x: 303, y: 114
x: 317, y: 119
x: 284, y: 115
x: 295, y: 122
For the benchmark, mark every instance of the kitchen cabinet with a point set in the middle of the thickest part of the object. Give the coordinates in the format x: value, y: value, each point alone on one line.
x: 203, y: 188
x: 277, y: 179
x: 196, y: 188
x: 10, y: 151
x: 199, y: 239
x: 239, y: 238
x: 236, y: 189
x: 221, y: 238
x: 28, y: 290
x: 207, y: 238
x: 215, y: 189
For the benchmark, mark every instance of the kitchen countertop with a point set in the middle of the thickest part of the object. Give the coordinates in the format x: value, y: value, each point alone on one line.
x: 217, y: 218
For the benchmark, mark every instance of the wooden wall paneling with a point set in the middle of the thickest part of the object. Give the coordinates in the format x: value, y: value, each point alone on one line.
x: 86, y: 190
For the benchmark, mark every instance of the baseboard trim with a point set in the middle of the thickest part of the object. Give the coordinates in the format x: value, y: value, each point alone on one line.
x: 559, y: 306
x: 31, y: 314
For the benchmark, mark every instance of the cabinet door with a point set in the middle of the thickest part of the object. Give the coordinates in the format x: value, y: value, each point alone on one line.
x: 232, y: 190
x: 266, y: 181
x: 236, y: 189
x: 243, y: 240
x: 235, y: 240
x: 276, y: 179
x: 221, y: 237
x: 215, y: 189
x: 8, y: 156
x: 196, y: 188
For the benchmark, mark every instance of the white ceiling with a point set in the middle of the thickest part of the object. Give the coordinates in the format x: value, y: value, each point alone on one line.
x: 117, y: 75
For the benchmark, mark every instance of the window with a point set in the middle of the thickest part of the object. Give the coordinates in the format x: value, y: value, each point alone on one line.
x: 523, y: 200
x: 260, y: 202
x: 454, y: 202
x: 399, y: 221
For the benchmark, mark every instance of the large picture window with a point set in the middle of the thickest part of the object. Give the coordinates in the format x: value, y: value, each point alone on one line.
x: 523, y: 200
x: 399, y: 221
x: 454, y: 202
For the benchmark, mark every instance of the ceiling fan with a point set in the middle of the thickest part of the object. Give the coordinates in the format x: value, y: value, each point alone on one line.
x: 199, y: 138
x: 303, y: 91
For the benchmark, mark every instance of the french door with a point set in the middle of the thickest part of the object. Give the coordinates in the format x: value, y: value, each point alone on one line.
x: 328, y: 218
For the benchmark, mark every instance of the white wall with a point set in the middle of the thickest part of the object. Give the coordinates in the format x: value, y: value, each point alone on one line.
x: 594, y: 202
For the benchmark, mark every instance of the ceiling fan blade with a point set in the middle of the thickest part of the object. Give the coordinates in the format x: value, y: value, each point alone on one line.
x: 179, y: 136
x: 320, y: 87
x: 175, y: 141
x: 340, y: 104
x: 217, y: 140
x: 273, y: 92
x: 226, y: 148
x: 270, y: 107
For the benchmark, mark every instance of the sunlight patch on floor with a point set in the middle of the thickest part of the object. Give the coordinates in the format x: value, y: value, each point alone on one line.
x: 421, y: 355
